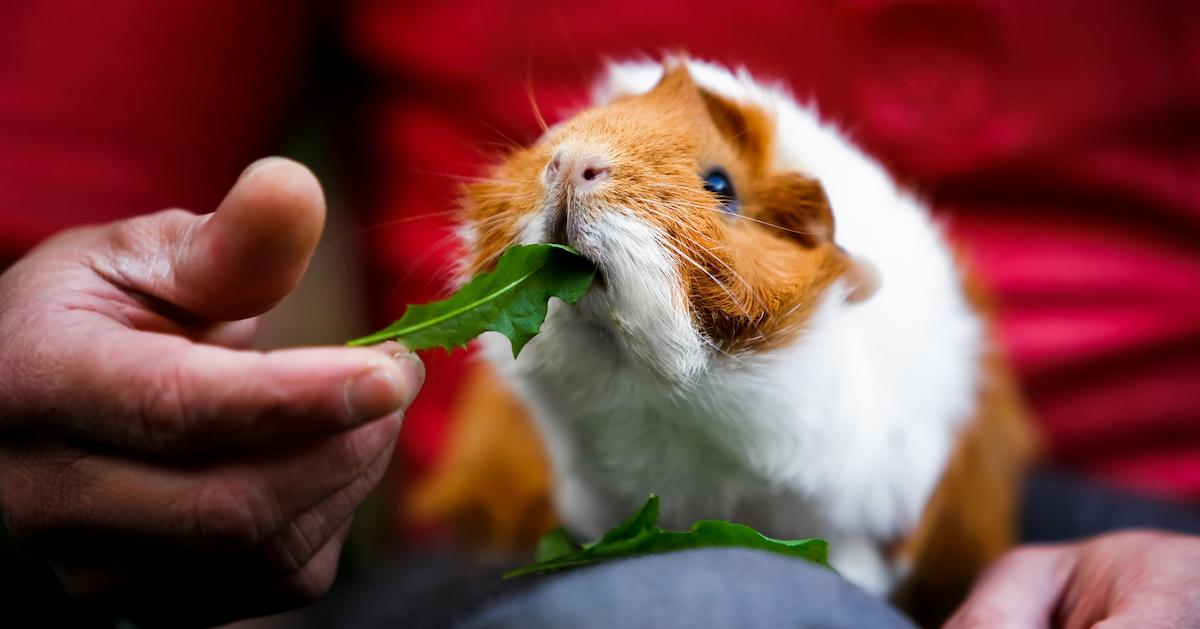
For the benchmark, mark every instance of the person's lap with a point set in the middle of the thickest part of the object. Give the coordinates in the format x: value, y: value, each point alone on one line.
x: 721, y: 587
x: 705, y: 588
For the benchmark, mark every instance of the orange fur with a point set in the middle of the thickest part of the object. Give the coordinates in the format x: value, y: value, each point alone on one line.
x: 971, y: 518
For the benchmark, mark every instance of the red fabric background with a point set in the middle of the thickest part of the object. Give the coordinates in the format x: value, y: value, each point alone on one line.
x: 109, y: 109
x: 1059, y: 141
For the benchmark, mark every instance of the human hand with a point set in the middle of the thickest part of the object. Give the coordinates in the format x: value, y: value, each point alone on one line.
x: 162, y: 470
x: 1136, y: 579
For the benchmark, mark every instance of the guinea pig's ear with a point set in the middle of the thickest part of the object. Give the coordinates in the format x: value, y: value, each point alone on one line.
x: 676, y: 81
x: 798, y: 206
x: 746, y: 128
x: 862, y: 277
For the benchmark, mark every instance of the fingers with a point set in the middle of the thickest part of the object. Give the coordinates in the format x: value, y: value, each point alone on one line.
x: 300, y: 540
x: 98, y: 509
x: 161, y: 394
x: 242, y: 537
x: 231, y: 264
x: 180, y: 590
x: 1021, y: 590
x: 238, y: 598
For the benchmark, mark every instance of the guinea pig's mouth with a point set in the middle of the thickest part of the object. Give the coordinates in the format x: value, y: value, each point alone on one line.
x: 601, y: 278
x: 601, y: 281
x: 559, y: 231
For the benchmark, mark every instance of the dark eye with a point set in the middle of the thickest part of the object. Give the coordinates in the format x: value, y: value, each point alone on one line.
x: 717, y: 181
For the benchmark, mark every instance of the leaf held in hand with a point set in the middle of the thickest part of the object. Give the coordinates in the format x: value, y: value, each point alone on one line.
x: 640, y: 535
x: 511, y: 299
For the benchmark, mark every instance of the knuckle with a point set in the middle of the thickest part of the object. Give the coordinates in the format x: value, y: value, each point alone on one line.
x: 22, y: 509
x: 293, y: 546
x: 980, y: 617
x: 226, y: 514
x: 353, y: 452
x: 271, y: 403
x: 133, y: 236
x: 312, y: 582
x: 366, y: 451
x: 164, y: 416
x: 33, y: 383
x: 19, y: 522
x: 1027, y: 555
x: 1136, y: 537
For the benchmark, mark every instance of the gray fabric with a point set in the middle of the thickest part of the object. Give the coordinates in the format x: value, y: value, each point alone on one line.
x: 715, y: 588
x: 1060, y: 506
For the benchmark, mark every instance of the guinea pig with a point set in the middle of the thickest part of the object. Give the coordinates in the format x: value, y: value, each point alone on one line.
x: 779, y: 334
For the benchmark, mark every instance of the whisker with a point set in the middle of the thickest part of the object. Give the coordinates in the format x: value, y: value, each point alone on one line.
x: 354, y: 233
x: 738, y: 276
x: 584, y: 75
x: 668, y: 186
x: 429, y: 250
x: 467, y: 178
x: 773, y: 225
x: 508, y: 141
x: 712, y: 277
x: 528, y: 84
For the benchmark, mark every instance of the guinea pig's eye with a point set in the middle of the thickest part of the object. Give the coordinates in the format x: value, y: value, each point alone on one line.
x: 717, y: 181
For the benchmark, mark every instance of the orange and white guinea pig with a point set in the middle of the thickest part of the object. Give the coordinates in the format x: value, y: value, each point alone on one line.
x: 779, y: 336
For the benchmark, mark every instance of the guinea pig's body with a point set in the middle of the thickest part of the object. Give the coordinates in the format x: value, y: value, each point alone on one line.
x: 781, y: 336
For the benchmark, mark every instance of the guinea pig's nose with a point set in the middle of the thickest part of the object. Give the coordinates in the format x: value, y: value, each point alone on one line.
x: 584, y: 171
x: 590, y: 171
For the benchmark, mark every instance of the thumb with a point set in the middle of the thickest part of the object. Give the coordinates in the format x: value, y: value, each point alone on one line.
x: 236, y: 262
x: 251, y: 252
x: 1023, y: 589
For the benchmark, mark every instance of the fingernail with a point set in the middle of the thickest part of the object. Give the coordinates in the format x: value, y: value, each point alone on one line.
x: 374, y: 394
x: 411, y: 364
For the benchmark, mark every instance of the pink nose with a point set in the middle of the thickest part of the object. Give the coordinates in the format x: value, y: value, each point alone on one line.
x: 583, y: 172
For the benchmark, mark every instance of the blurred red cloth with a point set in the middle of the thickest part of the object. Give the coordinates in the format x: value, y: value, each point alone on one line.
x: 1060, y: 142
x: 109, y: 109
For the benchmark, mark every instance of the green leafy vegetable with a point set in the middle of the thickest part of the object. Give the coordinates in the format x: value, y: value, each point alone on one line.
x: 640, y: 535
x: 510, y: 299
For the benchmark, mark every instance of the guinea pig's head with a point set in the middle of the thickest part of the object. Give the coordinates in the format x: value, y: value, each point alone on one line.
x: 704, y: 248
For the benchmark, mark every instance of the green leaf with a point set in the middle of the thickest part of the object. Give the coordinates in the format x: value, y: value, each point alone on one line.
x: 641, y: 522
x: 511, y: 299
x: 640, y: 535
x: 555, y: 544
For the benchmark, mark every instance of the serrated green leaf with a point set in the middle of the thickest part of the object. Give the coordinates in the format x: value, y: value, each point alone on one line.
x: 640, y: 535
x: 511, y: 299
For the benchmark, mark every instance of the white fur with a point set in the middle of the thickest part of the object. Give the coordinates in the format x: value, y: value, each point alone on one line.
x: 844, y: 433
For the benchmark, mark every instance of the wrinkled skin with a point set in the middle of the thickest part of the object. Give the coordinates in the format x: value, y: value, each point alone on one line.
x: 1135, y: 579
x: 161, y: 469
